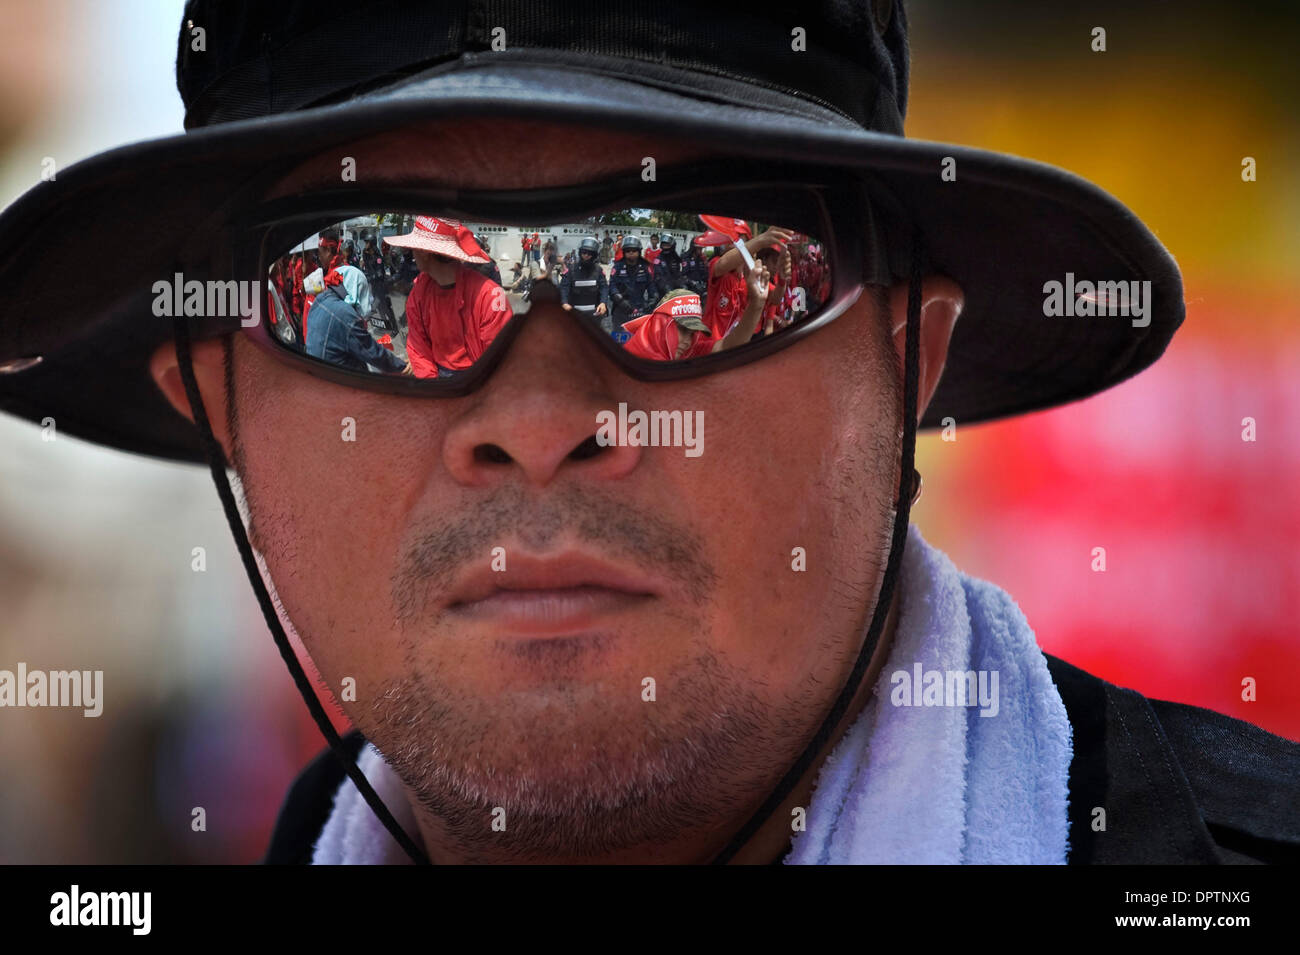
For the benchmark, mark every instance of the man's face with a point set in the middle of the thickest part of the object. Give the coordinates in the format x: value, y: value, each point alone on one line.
x: 650, y: 658
x: 433, y: 262
x: 423, y: 260
x: 633, y: 256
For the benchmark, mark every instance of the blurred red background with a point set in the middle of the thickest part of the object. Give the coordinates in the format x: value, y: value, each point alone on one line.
x: 1200, y: 528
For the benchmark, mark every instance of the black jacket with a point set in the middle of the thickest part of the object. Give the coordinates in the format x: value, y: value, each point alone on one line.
x: 1178, y: 783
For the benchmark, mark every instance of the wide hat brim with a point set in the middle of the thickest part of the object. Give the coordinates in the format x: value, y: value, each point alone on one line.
x: 79, y: 254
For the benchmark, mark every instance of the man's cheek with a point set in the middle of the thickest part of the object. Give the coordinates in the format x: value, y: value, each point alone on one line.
x: 348, y: 463
x: 325, y: 518
x: 780, y: 559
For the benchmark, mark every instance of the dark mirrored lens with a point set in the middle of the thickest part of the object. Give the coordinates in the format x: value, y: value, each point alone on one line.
x: 400, y: 294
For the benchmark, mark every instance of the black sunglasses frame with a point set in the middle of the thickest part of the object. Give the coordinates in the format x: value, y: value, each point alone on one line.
x: 841, y: 205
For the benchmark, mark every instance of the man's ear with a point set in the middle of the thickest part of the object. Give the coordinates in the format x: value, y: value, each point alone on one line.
x: 941, y: 303
x: 209, y: 371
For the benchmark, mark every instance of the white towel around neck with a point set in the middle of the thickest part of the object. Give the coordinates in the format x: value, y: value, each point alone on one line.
x: 907, y: 784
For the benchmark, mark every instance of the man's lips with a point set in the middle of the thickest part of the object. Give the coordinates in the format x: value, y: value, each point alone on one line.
x: 552, y: 595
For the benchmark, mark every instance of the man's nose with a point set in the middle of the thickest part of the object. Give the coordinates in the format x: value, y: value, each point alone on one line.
x: 535, y: 419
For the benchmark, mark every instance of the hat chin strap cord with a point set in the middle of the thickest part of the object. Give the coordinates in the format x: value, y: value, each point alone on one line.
x: 902, y: 516
x: 902, y: 511
x: 217, y: 465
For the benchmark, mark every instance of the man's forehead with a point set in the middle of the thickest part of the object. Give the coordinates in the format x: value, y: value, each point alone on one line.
x: 486, y: 154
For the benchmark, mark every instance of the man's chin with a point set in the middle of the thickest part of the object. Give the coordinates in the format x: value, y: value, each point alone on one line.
x: 581, y: 782
x: 549, y: 749
x: 562, y: 796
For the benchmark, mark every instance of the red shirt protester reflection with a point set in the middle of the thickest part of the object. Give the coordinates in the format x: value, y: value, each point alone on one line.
x: 453, y: 312
x: 726, y: 298
x: 673, y: 331
x: 450, y: 327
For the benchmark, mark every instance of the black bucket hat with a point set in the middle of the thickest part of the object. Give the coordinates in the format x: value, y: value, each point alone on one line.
x: 281, y: 82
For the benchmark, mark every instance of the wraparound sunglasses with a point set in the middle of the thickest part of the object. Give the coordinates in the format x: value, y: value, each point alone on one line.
x: 833, y: 241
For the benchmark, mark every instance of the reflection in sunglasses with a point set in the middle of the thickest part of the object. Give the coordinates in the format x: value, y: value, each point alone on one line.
x: 425, y: 295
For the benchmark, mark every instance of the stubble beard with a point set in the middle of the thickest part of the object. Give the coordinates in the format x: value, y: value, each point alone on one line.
x: 567, y: 780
